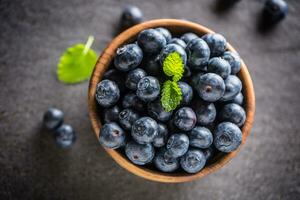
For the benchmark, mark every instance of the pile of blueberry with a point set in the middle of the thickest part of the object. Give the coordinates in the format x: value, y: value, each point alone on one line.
x: 64, y: 134
x: 207, y: 121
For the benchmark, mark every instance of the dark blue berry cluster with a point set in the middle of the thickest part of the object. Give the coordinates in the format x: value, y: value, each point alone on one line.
x: 207, y: 121
x: 64, y: 134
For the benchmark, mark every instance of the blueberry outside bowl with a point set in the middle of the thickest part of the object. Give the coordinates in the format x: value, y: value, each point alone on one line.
x: 175, y: 27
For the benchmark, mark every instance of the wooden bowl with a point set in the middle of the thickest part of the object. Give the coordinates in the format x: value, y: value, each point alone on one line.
x: 175, y: 27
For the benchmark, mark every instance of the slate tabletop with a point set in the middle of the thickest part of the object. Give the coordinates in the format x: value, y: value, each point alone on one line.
x: 33, y: 34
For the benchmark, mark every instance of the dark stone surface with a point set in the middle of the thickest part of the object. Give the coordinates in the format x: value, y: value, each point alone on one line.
x: 33, y: 34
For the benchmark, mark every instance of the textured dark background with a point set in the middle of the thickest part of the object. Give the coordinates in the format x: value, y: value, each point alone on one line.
x: 33, y: 34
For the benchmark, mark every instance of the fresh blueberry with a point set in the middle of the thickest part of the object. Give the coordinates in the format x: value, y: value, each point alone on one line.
x: 151, y: 41
x: 156, y: 111
x: 64, y: 136
x: 127, y: 117
x: 144, y: 130
x: 131, y: 15
x: 111, y: 114
x: 198, y: 54
x: 162, y: 134
x: 216, y: 42
x: 165, y: 33
x: 276, y: 9
x: 234, y: 60
x: 238, y: 99
x: 219, y: 66
x: 107, y: 93
x: 170, y: 48
x: 139, y: 154
x: 205, y: 112
x: 178, y: 41
x: 200, y: 137
x: 128, y: 57
x: 133, y: 77
x: 116, y: 76
x: 53, y: 118
x: 210, y: 86
x: 177, y: 145
x: 187, y: 72
x: 187, y: 93
x: 209, y: 152
x: 148, y: 88
x: 152, y: 66
x: 130, y: 100
x: 227, y: 137
x: 165, y: 164
x: 187, y: 37
x: 112, y: 136
x: 233, y: 113
x: 185, y: 119
x: 193, y: 161
x: 233, y: 87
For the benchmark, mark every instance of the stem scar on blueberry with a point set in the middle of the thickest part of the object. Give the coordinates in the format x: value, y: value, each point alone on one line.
x: 208, y: 88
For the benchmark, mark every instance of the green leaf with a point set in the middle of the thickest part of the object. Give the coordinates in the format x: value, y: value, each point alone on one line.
x: 173, y: 66
x: 77, y: 63
x: 171, y: 95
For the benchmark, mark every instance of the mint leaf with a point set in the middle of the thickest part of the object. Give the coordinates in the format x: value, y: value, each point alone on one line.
x: 77, y: 63
x: 171, y: 95
x: 173, y: 66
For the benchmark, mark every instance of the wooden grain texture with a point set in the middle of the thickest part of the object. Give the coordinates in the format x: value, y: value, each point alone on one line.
x: 176, y: 27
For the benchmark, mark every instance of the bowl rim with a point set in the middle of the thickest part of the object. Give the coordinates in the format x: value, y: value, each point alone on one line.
x: 105, y: 59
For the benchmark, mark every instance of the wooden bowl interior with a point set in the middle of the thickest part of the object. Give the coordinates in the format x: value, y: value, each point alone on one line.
x: 176, y: 27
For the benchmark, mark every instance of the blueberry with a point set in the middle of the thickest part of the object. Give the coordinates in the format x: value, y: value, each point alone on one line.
x: 65, y: 136
x: 198, y: 54
x: 170, y: 48
x: 152, y: 66
x: 187, y: 72
x: 178, y: 41
x: 127, y: 117
x: 111, y: 114
x: 144, y: 130
x: 128, y: 57
x: 219, y: 66
x: 233, y: 87
x: 162, y: 134
x: 233, y: 113
x: 185, y: 119
x: 130, y: 100
x: 139, y: 154
x: 227, y: 137
x: 177, y: 145
x: 187, y: 37
x: 238, y: 99
x: 205, y: 112
x: 53, y: 118
x: 151, y: 41
x: 200, y: 137
x: 193, y: 161
x: 276, y: 10
x: 187, y: 93
x: 209, y: 152
x: 216, y: 42
x: 131, y: 15
x: 165, y: 33
x: 148, y: 88
x: 112, y: 136
x: 234, y: 60
x: 156, y: 111
x: 107, y: 93
x: 210, y: 86
x: 133, y: 77
x: 116, y: 76
x: 165, y: 164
